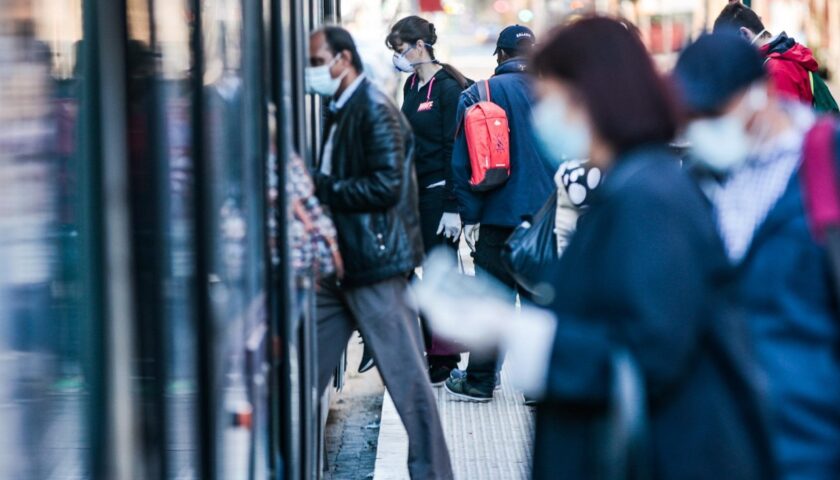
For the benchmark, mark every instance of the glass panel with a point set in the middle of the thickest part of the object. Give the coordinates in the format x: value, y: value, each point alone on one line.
x: 236, y: 243
x: 44, y: 384
x: 160, y: 150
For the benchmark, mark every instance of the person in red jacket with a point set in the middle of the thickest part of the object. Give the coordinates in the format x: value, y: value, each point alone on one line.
x: 788, y: 62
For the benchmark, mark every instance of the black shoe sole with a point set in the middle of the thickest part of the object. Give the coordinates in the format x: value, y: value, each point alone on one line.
x: 466, y: 398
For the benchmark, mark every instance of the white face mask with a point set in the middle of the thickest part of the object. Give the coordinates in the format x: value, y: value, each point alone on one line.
x: 723, y: 143
x: 401, y: 63
x: 319, y: 80
x: 719, y: 143
x: 560, y: 138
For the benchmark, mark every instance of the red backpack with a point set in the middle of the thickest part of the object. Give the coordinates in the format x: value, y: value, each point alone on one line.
x: 488, y: 141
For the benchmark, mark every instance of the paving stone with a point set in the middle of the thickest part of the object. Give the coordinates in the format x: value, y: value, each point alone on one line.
x: 491, y: 441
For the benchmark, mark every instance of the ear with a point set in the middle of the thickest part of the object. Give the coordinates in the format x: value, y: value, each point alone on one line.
x: 746, y: 33
x: 420, y: 45
x: 347, y: 56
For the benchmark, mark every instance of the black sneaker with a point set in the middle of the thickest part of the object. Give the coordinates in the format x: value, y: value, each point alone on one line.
x: 367, y: 360
x: 438, y: 374
x: 461, y: 389
x: 458, y: 373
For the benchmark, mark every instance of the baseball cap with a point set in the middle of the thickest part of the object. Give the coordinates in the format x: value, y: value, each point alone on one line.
x: 513, y: 38
x: 713, y: 69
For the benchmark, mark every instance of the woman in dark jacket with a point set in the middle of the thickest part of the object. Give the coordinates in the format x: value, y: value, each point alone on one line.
x: 642, y: 276
x: 431, y: 95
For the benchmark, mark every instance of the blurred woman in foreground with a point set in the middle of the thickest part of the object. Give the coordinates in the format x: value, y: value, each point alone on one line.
x: 640, y: 279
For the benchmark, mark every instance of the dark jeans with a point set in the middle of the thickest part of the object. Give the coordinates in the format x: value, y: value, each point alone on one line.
x: 388, y: 321
x: 482, y: 369
x: 438, y: 352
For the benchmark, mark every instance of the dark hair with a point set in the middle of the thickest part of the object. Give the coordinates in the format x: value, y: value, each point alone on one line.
x: 523, y: 49
x: 412, y: 29
x: 628, y: 100
x: 339, y: 40
x: 737, y: 15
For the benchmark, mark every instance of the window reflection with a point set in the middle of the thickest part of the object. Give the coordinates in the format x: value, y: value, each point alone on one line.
x: 236, y: 244
x: 163, y: 185
x: 47, y: 291
x: 43, y: 385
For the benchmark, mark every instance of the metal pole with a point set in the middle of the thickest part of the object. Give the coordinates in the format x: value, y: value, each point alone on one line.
x: 108, y: 55
x: 203, y: 312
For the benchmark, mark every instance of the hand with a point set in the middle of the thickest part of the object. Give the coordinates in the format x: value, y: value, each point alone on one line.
x: 468, y: 310
x: 471, y: 235
x: 450, y: 226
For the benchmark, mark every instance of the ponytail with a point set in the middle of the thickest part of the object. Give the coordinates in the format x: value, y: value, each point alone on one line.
x: 456, y: 74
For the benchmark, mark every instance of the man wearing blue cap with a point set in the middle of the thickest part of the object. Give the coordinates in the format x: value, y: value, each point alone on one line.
x: 500, y: 210
x: 747, y: 148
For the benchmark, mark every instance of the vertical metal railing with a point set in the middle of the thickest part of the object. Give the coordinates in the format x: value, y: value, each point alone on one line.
x: 110, y: 275
x: 285, y: 391
x: 203, y: 311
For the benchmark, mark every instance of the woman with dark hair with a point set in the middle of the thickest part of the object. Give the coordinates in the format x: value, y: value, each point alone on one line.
x: 637, y: 292
x: 431, y: 95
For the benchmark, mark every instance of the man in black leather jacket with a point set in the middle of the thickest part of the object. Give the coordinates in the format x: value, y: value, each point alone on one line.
x: 366, y: 178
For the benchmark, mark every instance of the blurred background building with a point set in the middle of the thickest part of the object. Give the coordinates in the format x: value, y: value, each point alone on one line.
x: 468, y: 28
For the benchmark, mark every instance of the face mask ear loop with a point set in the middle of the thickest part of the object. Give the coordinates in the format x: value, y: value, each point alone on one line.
x: 417, y: 64
x: 755, y: 39
x: 342, y: 74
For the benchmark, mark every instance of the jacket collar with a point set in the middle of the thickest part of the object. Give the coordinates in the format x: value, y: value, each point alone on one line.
x: 780, y: 44
x: 338, y: 103
x: 354, y: 98
x: 514, y: 65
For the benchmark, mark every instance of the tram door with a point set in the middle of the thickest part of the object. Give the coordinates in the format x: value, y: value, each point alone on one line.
x: 197, y: 155
x: 150, y: 326
x: 299, y: 409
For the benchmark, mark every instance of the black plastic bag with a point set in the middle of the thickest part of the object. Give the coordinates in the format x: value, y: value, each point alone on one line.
x: 532, y: 247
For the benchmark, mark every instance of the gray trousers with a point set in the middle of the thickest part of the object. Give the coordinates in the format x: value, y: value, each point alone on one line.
x: 389, y: 324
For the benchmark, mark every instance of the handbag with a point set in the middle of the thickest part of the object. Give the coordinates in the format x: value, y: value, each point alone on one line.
x: 313, y: 242
x: 532, y: 248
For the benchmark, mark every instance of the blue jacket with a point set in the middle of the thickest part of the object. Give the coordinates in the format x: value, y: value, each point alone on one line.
x: 530, y: 181
x: 785, y: 289
x: 642, y: 273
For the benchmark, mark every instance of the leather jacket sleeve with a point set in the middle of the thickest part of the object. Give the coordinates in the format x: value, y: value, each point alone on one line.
x: 379, y: 186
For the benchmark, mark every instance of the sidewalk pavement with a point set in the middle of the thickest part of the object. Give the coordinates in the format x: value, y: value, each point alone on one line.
x: 486, y: 441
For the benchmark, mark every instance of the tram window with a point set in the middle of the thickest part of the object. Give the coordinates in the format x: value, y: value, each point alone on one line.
x: 235, y: 230
x: 160, y: 136
x: 44, y: 310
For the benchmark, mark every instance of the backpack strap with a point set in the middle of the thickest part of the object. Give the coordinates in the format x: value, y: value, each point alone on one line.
x: 484, y: 91
x: 819, y: 174
x: 483, y: 87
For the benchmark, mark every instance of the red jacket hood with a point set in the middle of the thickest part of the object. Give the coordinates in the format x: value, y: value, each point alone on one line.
x: 797, y: 53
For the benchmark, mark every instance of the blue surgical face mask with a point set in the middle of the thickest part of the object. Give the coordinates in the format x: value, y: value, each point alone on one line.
x: 561, y: 139
x: 319, y: 80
